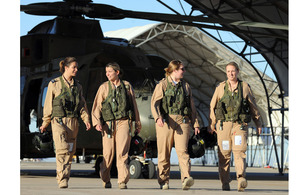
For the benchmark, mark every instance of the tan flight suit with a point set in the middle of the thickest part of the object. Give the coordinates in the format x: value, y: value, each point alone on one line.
x: 64, y: 134
x: 232, y: 138
x: 176, y: 130
x: 120, y: 139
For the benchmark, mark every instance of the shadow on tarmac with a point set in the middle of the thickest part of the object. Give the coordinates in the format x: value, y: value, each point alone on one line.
x: 173, y: 174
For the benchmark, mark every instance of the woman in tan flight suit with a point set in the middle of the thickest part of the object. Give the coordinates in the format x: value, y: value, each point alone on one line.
x: 174, y: 112
x: 231, y: 109
x: 64, y: 104
x: 113, y: 111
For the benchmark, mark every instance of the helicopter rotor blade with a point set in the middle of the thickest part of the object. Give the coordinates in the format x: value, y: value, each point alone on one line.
x: 103, y: 11
x: 47, y: 9
x: 71, y: 8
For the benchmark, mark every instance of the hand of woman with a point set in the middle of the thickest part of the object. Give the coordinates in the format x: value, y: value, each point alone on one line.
x: 98, y: 127
x: 160, y: 122
x: 88, y: 126
x: 211, y: 130
x: 259, y: 129
x: 138, y: 127
x: 197, y: 131
x: 137, y: 131
x: 43, y: 129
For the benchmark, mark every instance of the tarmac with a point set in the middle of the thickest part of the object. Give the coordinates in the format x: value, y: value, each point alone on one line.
x: 39, y: 178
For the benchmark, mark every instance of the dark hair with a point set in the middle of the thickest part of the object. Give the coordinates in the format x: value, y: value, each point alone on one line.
x: 66, y: 62
x: 173, y: 65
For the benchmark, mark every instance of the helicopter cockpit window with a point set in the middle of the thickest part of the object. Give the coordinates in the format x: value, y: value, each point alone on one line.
x: 156, y: 74
x: 33, y: 121
x: 136, y: 77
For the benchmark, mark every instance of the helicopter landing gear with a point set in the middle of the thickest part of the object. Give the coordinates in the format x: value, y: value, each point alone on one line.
x: 135, y: 169
x: 148, y: 170
x: 138, y: 167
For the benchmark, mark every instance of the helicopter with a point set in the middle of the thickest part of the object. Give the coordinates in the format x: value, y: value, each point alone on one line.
x: 71, y: 34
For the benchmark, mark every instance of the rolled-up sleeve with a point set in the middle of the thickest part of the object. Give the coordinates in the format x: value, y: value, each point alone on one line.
x: 214, y: 100
x: 84, y: 114
x: 135, y: 107
x: 252, y: 105
x: 156, y: 101
x: 47, y: 112
x: 97, y: 105
x: 194, y: 119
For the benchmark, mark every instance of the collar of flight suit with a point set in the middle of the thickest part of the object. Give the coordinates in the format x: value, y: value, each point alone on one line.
x: 67, y: 83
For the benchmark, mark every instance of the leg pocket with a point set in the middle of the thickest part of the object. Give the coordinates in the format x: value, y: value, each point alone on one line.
x: 240, y: 141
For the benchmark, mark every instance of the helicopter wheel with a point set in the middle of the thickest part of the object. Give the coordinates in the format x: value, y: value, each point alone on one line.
x: 135, y: 169
x: 148, y: 171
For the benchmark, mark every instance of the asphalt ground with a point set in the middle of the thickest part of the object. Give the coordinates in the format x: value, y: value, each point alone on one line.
x: 39, y: 178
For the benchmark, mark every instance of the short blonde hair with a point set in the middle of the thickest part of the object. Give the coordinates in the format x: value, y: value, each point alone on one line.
x: 115, y: 66
x: 233, y: 64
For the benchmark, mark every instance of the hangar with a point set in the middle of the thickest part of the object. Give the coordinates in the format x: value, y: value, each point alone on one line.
x: 205, y: 60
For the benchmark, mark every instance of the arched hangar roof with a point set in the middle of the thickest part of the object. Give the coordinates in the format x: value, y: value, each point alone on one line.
x: 205, y: 60
x: 272, y: 44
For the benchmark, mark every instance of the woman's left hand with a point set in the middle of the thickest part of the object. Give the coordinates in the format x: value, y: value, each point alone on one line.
x: 88, y: 126
x: 137, y: 131
x: 197, y: 130
x: 138, y: 127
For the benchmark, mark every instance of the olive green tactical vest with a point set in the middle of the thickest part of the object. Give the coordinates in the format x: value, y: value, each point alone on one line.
x: 175, y: 100
x: 116, y: 105
x: 66, y: 103
x: 232, y: 106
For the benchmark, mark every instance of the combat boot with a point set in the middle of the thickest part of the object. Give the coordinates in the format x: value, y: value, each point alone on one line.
x: 122, y: 186
x: 106, y: 184
x: 225, y: 187
x: 242, y: 184
x: 63, y: 184
x: 187, y: 183
x: 164, y: 186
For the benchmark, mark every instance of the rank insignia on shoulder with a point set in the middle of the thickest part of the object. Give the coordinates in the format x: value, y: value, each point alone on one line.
x: 53, y: 80
x: 223, y: 82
